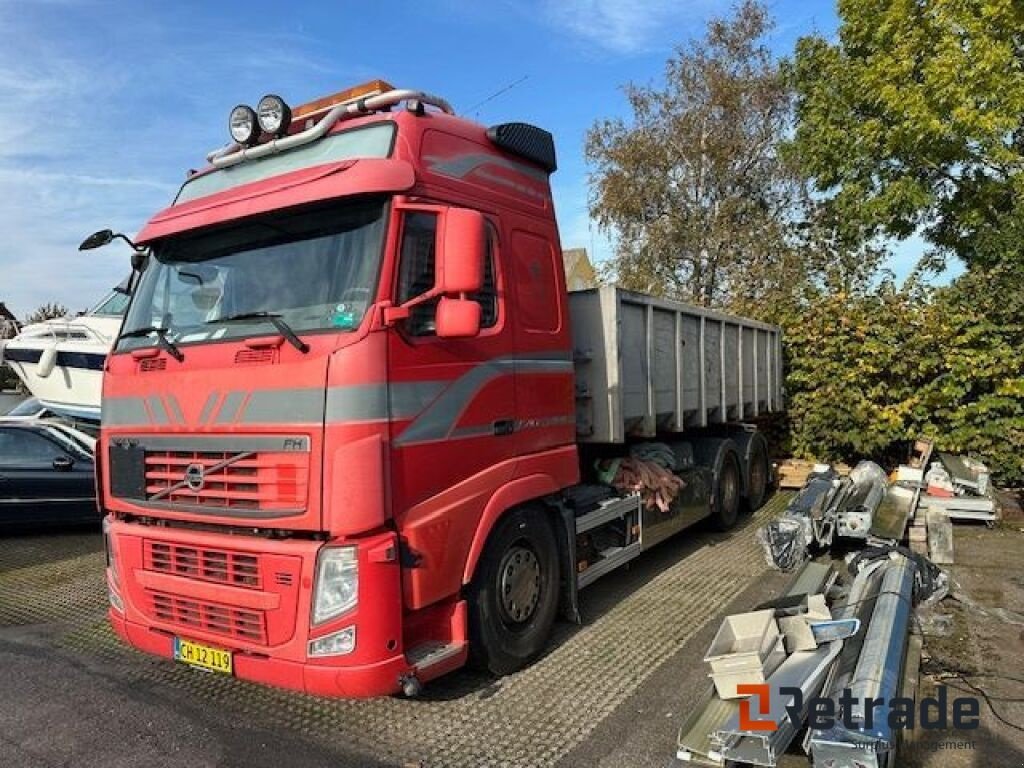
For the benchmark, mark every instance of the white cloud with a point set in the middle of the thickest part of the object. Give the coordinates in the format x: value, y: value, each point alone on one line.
x: 629, y: 26
x: 99, y: 131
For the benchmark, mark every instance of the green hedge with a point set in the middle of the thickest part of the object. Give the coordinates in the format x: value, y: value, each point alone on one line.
x: 869, y: 371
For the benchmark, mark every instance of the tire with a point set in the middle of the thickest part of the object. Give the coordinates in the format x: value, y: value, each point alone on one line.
x: 757, y: 473
x: 728, y: 486
x: 513, y: 598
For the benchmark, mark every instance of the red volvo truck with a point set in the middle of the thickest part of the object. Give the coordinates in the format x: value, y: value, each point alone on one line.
x: 355, y: 430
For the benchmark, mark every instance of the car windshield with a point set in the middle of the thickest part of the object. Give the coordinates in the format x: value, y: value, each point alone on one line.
x: 28, y: 407
x: 314, y: 267
x: 114, y: 303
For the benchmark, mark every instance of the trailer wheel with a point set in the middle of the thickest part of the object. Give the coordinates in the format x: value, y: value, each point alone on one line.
x: 757, y: 473
x: 513, y: 597
x: 727, y: 493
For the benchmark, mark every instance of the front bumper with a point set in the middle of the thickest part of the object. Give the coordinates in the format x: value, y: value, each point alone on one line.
x: 252, y: 596
x: 381, y: 678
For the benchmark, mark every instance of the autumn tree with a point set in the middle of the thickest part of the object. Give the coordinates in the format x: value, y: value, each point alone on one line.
x: 911, y: 122
x: 699, y: 201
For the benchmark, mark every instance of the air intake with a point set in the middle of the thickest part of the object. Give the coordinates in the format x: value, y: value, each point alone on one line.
x: 527, y: 141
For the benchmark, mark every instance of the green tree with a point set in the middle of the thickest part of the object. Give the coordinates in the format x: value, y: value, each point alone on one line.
x: 699, y: 201
x: 47, y: 311
x: 911, y: 122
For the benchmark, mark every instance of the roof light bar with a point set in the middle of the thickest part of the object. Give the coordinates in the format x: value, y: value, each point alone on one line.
x: 361, y: 105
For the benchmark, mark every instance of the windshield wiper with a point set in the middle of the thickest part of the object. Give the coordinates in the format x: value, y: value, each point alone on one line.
x: 271, y: 317
x: 161, y: 339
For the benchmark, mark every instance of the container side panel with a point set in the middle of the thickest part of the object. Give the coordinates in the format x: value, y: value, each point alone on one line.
x: 747, y: 346
x: 692, y: 372
x: 713, y: 371
x: 732, y: 370
x: 635, y: 365
x: 666, y: 359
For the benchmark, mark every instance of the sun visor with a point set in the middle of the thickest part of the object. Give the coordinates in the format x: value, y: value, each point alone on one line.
x: 308, y: 185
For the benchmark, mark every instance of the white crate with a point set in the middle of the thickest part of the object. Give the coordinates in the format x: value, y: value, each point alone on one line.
x: 747, y: 649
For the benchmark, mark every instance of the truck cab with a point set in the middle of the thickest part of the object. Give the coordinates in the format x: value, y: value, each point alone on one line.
x: 342, y: 362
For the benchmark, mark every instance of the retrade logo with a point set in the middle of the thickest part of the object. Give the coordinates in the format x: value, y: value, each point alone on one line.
x: 900, y: 713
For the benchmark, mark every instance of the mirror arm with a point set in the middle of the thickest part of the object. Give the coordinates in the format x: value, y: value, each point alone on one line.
x: 393, y: 314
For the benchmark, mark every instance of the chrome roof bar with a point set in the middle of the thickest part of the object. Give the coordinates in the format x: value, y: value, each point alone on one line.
x: 235, y: 153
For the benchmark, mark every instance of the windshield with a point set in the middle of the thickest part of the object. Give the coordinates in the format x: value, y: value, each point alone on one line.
x: 114, y: 303
x: 28, y: 407
x: 315, y: 267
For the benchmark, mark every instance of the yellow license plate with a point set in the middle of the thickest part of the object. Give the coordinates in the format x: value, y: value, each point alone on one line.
x: 202, y: 656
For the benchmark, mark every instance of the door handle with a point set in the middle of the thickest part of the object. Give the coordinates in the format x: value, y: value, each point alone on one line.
x: 504, y: 427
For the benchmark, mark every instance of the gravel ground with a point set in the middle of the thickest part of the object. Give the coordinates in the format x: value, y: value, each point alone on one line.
x: 611, y: 692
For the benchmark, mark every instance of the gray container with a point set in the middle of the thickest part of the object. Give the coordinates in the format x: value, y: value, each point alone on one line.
x: 646, y: 366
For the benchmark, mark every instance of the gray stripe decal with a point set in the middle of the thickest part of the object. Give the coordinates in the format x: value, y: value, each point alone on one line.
x: 438, y: 420
x: 123, y: 411
x: 284, y: 406
x: 229, y: 408
x: 409, y: 398
x: 436, y: 405
x: 176, y: 413
x: 360, y: 402
x: 461, y: 166
x: 157, y: 412
x: 207, y: 411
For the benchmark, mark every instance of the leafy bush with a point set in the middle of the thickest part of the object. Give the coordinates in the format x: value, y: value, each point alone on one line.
x: 866, y: 372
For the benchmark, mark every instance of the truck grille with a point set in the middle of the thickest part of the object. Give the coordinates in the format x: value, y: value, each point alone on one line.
x: 238, y: 623
x: 223, y: 566
x: 267, y: 481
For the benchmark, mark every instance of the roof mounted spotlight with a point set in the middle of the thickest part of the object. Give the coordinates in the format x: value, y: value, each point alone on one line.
x: 274, y: 115
x: 243, y: 125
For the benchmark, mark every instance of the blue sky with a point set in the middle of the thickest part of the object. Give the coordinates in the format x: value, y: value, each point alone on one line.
x: 108, y: 104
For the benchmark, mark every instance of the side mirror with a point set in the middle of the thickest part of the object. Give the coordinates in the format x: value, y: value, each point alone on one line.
x: 457, y: 318
x: 63, y: 463
x: 97, y: 240
x: 460, y: 263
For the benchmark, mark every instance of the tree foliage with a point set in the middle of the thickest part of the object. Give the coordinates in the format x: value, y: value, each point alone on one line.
x: 698, y: 198
x: 48, y: 311
x: 911, y: 122
x: 884, y: 365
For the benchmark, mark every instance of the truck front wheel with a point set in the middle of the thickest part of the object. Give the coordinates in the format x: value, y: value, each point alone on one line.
x: 513, y: 598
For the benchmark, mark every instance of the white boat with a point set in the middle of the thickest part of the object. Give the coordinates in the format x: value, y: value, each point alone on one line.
x: 61, y: 361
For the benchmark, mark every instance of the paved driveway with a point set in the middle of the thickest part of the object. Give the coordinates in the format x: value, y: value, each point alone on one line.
x: 609, y: 692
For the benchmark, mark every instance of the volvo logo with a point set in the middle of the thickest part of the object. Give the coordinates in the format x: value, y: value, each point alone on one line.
x: 195, y: 477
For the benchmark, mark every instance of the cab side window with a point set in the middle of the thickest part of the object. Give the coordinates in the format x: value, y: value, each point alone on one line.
x: 416, y: 274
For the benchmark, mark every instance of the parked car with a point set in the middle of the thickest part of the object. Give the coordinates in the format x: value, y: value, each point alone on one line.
x: 28, y: 409
x: 46, y: 475
x: 31, y: 409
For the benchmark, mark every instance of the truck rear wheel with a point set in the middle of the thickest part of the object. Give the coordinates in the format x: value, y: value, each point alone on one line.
x: 757, y: 472
x: 727, y: 493
x: 513, y: 597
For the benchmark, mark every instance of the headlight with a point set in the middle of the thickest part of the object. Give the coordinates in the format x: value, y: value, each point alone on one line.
x: 337, y: 583
x: 334, y: 644
x: 243, y: 126
x: 109, y: 551
x: 274, y: 115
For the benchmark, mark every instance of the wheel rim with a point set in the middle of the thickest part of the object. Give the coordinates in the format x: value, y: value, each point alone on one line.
x: 730, y: 490
x: 758, y: 476
x: 519, y: 584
